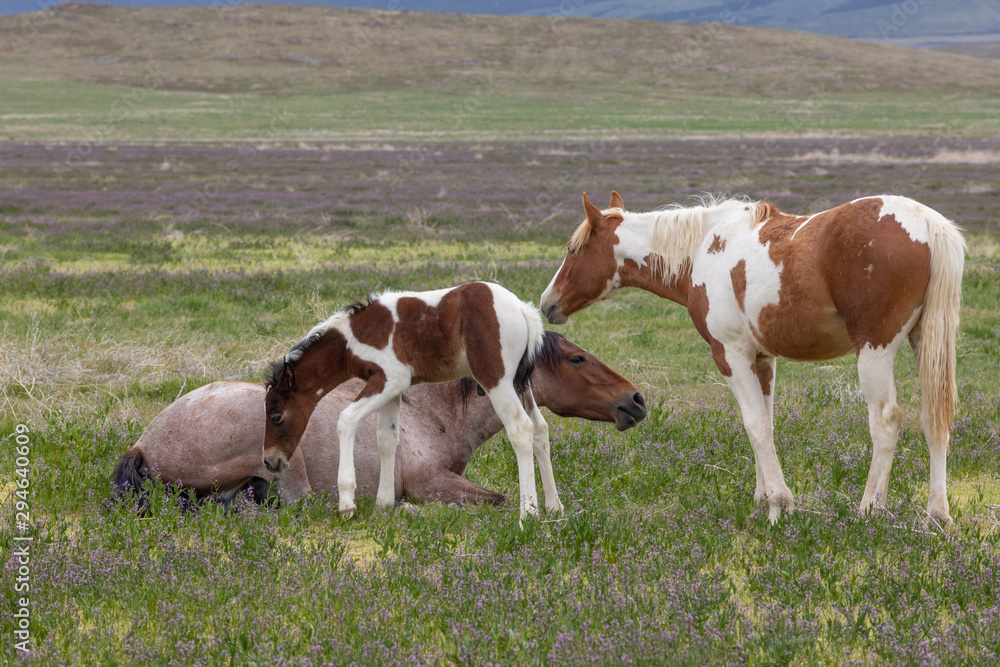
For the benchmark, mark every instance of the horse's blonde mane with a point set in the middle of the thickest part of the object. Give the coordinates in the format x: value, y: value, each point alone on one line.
x: 579, y: 238
x: 676, y: 234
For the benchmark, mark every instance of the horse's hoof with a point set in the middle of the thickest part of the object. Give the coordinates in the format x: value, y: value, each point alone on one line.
x: 347, y: 512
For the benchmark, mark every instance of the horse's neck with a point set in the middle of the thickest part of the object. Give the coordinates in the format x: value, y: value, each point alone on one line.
x: 635, y: 244
x: 459, y: 431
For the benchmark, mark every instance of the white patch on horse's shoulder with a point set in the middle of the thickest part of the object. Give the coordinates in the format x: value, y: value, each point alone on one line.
x: 910, y: 215
x: 804, y: 223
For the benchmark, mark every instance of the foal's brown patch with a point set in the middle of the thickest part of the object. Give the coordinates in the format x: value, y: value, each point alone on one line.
x: 433, y: 339
x: 372, y: 325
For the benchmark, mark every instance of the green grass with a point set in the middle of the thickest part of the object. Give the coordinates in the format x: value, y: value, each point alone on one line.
x: 102, y: 114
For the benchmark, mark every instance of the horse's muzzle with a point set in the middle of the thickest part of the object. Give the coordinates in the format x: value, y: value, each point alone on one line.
x: 553, y: 313
x: 276, y: 463
x: 630, y: 413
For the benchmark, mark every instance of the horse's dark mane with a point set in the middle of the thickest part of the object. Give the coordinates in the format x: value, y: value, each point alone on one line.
x: 360, y: 305
x: 548, y: 356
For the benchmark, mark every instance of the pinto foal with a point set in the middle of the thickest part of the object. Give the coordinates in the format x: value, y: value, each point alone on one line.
x: 759, y: 284
x: 404, y: 338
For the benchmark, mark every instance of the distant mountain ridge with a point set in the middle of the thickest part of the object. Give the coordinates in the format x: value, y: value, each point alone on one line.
x: 920, y: 23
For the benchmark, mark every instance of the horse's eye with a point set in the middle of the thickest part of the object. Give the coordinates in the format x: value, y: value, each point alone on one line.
x: 275, y: 417
x: 577, y: 360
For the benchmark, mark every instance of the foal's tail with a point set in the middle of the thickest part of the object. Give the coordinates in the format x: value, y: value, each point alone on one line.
x: 933, y: 338
x: 536, y: 340
x: 128, y: 477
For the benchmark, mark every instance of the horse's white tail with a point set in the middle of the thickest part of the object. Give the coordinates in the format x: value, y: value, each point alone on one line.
x: 536, y: 339
x: 934, y: 337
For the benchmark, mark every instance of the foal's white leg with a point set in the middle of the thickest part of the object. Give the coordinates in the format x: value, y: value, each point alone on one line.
x: 388, y: 439
x: 884, y: 417
x: 540, y: 443
x: 347, y: 426
x: 520, y: 431
x: 757, y: 420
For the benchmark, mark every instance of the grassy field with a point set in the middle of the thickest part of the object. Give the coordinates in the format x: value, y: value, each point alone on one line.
x: 154, y: 238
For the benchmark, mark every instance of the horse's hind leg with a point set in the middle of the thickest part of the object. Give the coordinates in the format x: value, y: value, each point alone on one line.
x: 540, y: 444
x: 520, y: 431
x: 388, y: 440
x: 449, y: 487
x: 884, y: 417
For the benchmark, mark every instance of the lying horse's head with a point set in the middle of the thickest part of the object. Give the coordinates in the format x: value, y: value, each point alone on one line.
x: 572, y: 382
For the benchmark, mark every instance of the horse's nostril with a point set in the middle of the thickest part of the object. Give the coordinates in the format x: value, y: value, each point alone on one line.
x: 639, y: 400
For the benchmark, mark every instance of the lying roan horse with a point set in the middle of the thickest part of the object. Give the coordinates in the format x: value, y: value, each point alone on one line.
x: 404, y: 338
x: 209, y: 439
x: 761, y: 284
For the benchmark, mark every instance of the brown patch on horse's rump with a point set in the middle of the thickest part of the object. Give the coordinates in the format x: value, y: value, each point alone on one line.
x: 433, y: 338
x: 372, y: 325
x: 717, y: 246
x: 738, y: 274
x: 697, y: 305
x: 848, y: 279
x: 879, y: 278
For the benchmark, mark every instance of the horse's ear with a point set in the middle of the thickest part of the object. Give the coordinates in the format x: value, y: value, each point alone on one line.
x: 283, y: 379
x: 616, y: 201
x: 594, y: 215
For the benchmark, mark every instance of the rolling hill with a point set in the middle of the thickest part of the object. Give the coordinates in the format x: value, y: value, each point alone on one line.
x: 915, y: 23
x: 277, y: 49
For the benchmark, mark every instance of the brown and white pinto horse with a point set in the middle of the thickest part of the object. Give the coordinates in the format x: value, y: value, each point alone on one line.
x: 403, y: 338
x: 209, y: 439
x: 761, y: 284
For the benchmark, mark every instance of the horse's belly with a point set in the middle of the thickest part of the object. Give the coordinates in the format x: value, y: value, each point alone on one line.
x: 801, y: 335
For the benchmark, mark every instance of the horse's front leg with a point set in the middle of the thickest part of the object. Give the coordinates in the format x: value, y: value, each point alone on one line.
x: 376, y: 393
x: 764, y: 368
x: 540, y: 444
x: 388, y: 440
x: 745, y: 381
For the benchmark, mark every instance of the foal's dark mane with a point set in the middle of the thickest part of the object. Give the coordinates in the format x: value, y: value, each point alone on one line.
x: 360, y: 305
